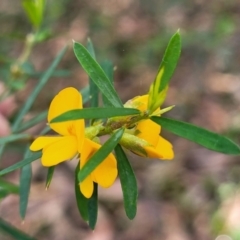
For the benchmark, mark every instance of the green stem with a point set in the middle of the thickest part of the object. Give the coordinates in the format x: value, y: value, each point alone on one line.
x: 16, y: 68
x: 117, y: 123
x: 29, y: 43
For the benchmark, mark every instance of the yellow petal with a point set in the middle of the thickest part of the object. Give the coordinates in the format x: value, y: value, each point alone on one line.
x: 149, y: 131
x: 163, y: 150
x: 142, y: 102
x: 139, y: 102
x: 41, y: 142
x: 106, y: 173
x: 59, y: 151
x: 87, y: 152
x: 86, y: 187
x: 152, y: 152
x: 65, y: 100
x: 78, y: 130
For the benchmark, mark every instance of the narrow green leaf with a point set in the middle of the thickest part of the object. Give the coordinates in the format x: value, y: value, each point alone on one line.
x: 169, y: 62
x: 45, y: 130
x: 31, y: 12
x: 93, y: 94
x: 3, y: 193
x: 82, y: 202
x: 2, y: 148
x: 57, y: 74
x: 85, y: 94
x: 99, y: 156
x: 108, y: 68
x: 40, y: 9
x: 93, y: 207
x: 34, y: 10
x: 13, y: 232
x: 96, y: 73
x: 31, y: 99
x: 21, y: 164
x: 14, y: 137
x: 12, y: 188
x: 90, y: 113
x: 210, y: 140
x: 128, y: 182
x: 90, y: 48
x: 25, y: 183
x: 32, y: 122
x: 49, y: 176
x: 7, y: 188
x: 93, y: 87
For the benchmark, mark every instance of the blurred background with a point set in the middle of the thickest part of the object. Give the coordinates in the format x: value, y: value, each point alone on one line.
x: 195, y: 196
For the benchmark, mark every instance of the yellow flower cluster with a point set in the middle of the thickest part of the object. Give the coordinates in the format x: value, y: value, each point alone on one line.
x: 147, y: 141
x: 71, y: 142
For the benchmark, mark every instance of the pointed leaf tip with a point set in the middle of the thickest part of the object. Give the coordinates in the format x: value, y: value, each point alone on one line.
x: 128, y: 183
x: 204, y: 137
x: 165, y: 72
x: 96, y: 73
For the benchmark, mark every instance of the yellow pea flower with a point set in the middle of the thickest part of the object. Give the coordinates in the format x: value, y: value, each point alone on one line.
x: 72, y: 141
x: 158, y: 146
x: 147, y: 131
x: 105, y: 174
x: 57, y: 149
